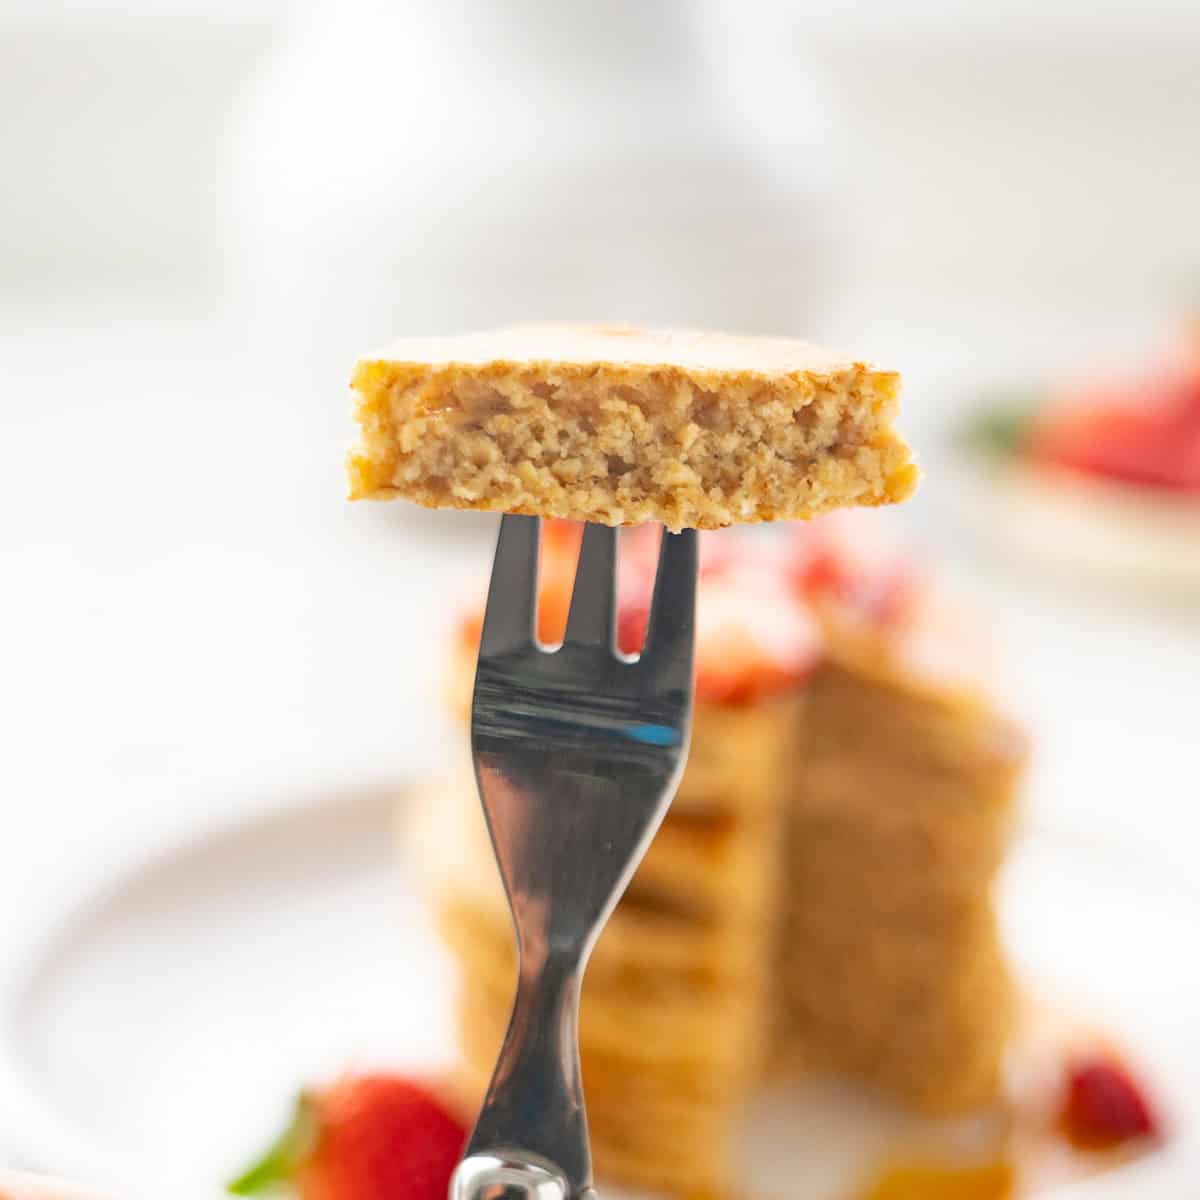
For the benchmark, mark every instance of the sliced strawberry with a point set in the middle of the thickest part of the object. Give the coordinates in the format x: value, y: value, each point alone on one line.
x: 1104, y: 1106
x: 369, y: 1137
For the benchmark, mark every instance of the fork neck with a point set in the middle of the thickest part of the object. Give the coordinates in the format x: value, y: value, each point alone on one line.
x: 534, y: 1104
x: 546, y: 1009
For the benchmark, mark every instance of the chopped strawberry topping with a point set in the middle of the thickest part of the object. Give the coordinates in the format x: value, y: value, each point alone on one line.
x: 756, y: 633
x: 753, y: 637
x: 1104, y: 1106
x: 844, y: 560
x: 632, y: 622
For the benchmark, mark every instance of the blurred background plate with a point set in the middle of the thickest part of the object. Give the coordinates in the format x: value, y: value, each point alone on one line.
x: 1088, y: 535
x: 160, y: 1025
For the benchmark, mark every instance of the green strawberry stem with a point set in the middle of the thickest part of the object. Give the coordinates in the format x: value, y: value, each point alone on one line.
x: 1000, y: 429
x: 286, y: 1154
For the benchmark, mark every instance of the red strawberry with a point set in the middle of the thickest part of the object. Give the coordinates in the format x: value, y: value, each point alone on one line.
x: 1145, y: 433
x: 1104, y: 1106
x: 633, y: 618
x: 369, y: 1137
x: 839, y: 558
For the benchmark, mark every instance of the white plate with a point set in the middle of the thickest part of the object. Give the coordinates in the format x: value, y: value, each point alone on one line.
x: 1087, y: 532
x: 156, y: 1031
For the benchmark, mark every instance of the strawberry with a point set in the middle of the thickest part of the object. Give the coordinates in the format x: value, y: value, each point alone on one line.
x: 633, y: 618
x: 368, y: 1137
x: 842, y: 559
x: 1104, y: 1106
x: 1142, y: 432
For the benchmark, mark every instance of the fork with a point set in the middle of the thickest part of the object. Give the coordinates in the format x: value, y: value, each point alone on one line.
x: 577, y: 751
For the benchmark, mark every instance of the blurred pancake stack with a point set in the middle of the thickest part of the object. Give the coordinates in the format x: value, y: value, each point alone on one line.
x: 818, y: 900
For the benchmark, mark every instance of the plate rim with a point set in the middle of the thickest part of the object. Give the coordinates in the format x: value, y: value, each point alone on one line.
x: 41, y: 1136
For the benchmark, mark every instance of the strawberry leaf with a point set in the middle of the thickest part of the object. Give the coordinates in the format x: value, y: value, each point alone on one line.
x: 999, y: 430
x: 285, y: 1155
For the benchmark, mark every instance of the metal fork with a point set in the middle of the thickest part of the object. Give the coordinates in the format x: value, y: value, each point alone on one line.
x: 578, y: 752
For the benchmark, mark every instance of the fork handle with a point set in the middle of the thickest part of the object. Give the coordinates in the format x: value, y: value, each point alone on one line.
x: 510, y: 1176
x: 530, y: 1141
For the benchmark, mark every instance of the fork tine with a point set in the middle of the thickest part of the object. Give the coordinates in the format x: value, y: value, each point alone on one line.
x: 671, y: 635
x: 592, y: 617
x: 510, y: 617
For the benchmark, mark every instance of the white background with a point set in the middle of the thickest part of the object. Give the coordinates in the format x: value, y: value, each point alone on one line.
x: 193, y: 623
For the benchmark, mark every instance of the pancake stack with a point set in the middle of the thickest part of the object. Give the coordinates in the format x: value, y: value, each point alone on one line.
x: 818, y: 899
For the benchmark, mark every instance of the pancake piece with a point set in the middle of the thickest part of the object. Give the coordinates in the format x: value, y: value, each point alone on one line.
x: 623, y: 426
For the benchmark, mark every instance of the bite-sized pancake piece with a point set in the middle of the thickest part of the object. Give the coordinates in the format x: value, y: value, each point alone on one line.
x: 624, y: 426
